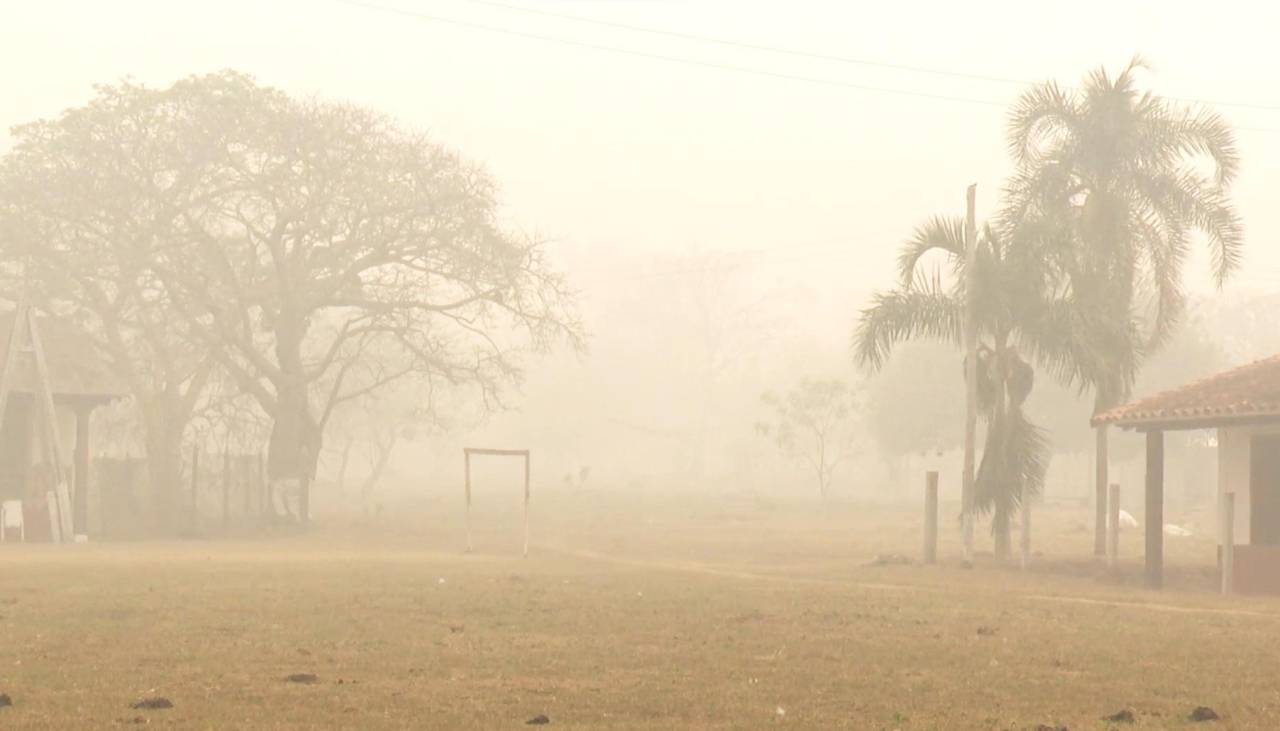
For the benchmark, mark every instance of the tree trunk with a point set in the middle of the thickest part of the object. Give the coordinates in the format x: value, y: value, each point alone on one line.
x: 1000, y: 527
x: 382, y: 455
x: 294, y: 446
x: 163, y: 433
x: 343, y: 464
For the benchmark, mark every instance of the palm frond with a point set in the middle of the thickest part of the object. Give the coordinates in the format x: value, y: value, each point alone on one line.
x: 903, y: 314
x: 1042, y: 113
x: 1015, y: 457
x: 939, y: 233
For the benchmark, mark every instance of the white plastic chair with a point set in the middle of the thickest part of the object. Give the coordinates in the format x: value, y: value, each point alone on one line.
x: 10, y: 518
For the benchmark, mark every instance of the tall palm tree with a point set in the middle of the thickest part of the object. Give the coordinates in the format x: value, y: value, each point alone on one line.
x: 1016, y: 315
x: 1126, y: 179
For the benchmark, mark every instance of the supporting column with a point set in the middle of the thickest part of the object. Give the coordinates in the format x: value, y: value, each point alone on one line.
x: 80, y: 503
x: 1228, y: 540
x: 1113, y: 526
x: 1155, y: 509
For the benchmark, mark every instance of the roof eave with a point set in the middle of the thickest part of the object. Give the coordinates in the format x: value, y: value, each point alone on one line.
x: 1187, y: 423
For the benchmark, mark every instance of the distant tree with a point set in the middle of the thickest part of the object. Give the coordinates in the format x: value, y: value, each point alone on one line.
x: 86, y: 202
x: 814, y: 422
x: 910, y: 409
x: 315, y: 252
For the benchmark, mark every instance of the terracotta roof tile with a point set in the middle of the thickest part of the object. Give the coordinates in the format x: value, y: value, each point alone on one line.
x: 1248, y: 392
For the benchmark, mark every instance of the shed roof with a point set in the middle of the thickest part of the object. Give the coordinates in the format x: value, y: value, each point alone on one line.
x: 1247, y: 394
x: 75, y: 368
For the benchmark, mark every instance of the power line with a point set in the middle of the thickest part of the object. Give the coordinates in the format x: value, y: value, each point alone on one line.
x: 418, y: 15
x: 799, y: 53
x: 749, y: 46
x: 661, y: 57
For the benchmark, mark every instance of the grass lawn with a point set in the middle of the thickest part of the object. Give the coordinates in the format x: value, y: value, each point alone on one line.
x: 636, y: 613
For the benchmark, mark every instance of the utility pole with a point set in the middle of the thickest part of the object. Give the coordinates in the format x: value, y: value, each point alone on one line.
x: 970, y: 371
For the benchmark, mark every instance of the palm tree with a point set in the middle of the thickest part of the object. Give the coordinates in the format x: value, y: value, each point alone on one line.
x: 1125, y: 179
x: 1016, y: 315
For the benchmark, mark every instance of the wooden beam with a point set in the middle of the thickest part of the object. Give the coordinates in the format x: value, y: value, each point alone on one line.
x: 1155, y: 509
x: 497, y: 452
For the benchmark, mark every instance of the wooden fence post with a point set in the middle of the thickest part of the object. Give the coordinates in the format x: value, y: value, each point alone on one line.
x: 931, y: 517
x: 526, y: 503
x: 226, y: 490
x: 246, y: 483
x: 1228, y: 541
x: 195, y: 488
x: 466, y: 457
x: 1026, y: 530
x: 1113, y: 526
x: 266, y: 504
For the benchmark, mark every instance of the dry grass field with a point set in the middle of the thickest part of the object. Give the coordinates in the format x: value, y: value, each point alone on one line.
x: 638, y: 613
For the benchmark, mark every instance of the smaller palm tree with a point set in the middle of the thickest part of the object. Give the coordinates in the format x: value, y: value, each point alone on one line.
x: 1017, y: 313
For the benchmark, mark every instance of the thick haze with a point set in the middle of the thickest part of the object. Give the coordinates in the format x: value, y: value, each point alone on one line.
x: 646, y: 173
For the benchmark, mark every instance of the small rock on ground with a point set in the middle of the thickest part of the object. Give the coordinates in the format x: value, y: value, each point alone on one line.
x: 304, y: 678
x: 1124, y: 716
x: 538, y: 720
x: 1204, y: 713
x: 987, y: 631
x: 5, y: 700
x: 152, y: 704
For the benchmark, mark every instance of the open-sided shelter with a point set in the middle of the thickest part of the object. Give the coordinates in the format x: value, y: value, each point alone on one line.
x: 1243, y: 406
x: 80, y: 382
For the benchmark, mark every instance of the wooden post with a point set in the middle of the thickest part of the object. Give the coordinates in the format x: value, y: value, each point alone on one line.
x: 1113, y: 526
x: 246, y: 483
x: 264, y: 488
x: 466, y: 457
x: 1026, y: 530
x: 526, y: 504
x: 80, y: 467
x: 1100, y: 490
x: 1228, y: 534
x: 226, y: 490
x: 304, y: 487
x: 970, y: 371
x: 195, y: 487
x: 931, y: 517
x: 1155, y: 509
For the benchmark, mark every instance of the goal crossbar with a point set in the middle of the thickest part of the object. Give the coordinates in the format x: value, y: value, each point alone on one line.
x: 467, y: 453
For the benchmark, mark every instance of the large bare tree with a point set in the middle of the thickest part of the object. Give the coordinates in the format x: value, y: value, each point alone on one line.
x: 315, y: 252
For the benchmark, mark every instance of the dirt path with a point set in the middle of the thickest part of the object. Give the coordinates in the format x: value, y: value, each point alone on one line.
x: 706, y: 569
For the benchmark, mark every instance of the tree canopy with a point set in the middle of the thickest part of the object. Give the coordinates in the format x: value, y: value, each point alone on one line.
x: 312, y: 252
